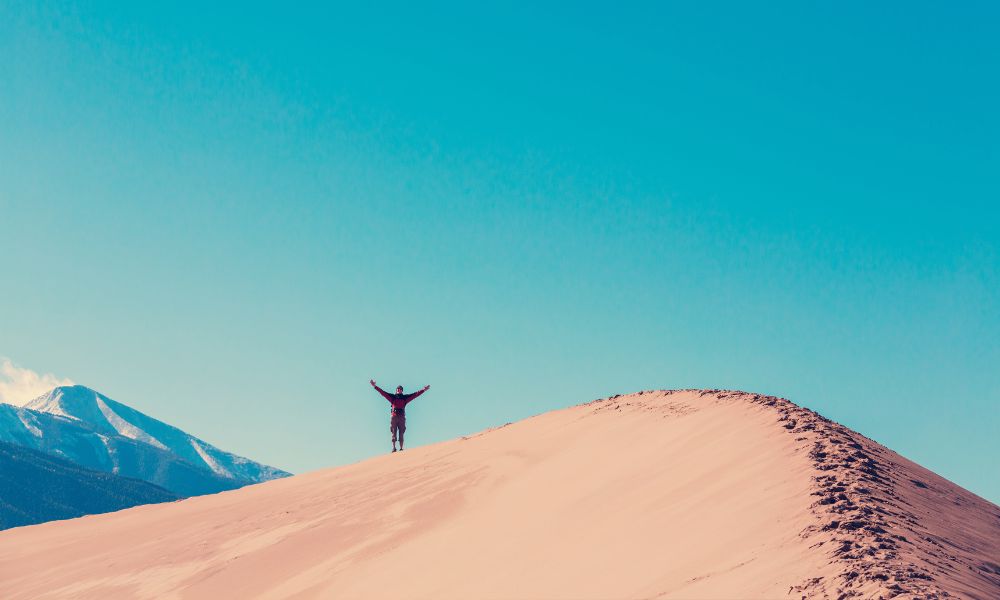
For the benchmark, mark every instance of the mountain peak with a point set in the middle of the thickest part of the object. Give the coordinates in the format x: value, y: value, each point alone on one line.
x: 100, y: 413
x: 71, y: 401
x: 105, y: 416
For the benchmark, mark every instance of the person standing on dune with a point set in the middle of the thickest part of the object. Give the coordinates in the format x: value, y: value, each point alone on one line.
x: 399, y: 400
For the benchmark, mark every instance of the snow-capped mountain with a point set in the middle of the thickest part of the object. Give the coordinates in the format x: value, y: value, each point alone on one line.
x: 110, y: 418
x: 90, y: 429
x: 74, y: 441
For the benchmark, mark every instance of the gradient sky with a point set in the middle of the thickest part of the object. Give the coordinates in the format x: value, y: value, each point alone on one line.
x: 232, y: 217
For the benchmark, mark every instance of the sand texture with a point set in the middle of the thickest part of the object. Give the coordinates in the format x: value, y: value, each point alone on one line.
x: 682, y: 494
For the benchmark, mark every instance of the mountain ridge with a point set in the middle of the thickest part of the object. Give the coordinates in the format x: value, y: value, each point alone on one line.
x: 109, y: 417
x: 83, y: 426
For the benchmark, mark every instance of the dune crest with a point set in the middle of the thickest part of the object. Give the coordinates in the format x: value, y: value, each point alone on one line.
x: 893, y: 526
x: 665, y: 494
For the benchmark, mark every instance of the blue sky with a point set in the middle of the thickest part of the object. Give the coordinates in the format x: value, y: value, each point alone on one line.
x: 232, y: 217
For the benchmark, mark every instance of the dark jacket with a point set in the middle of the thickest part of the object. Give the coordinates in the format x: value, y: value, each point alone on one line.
x: 398, y: 401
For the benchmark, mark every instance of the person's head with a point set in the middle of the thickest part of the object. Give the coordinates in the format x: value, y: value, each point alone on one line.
x: 399, y: 389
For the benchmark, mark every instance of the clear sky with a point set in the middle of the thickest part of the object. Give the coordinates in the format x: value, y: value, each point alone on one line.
x: 232, y: 217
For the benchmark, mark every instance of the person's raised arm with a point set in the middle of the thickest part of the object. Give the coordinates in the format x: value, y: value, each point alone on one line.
x: 384, y: 393
x: 417, y: 393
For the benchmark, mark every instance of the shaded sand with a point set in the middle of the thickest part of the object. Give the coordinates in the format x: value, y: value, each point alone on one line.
x: 691, y: 494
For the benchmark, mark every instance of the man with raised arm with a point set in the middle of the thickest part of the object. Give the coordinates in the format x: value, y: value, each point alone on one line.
x: 399, y: 400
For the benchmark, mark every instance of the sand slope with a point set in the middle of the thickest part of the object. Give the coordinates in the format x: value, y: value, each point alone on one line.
x: 691, y: 494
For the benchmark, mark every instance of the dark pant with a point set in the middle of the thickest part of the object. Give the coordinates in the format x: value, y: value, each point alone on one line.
x: 397, y: 425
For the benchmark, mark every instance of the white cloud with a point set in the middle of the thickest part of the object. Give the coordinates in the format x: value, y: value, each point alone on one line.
x: 18, y: 385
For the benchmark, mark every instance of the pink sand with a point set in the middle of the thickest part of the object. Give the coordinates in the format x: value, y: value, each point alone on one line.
x: 690, y: 494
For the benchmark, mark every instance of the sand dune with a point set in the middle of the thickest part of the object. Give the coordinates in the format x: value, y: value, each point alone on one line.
x: 691, y: 494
